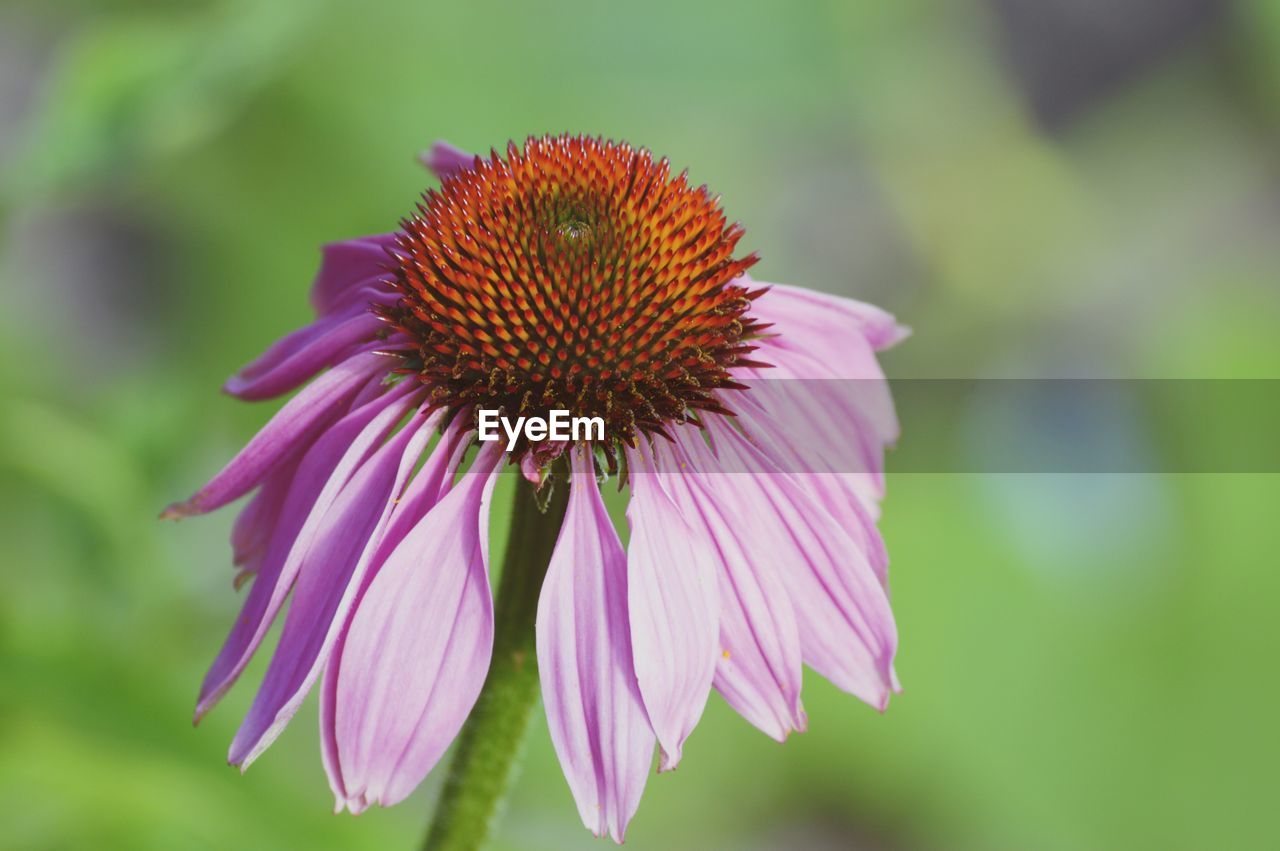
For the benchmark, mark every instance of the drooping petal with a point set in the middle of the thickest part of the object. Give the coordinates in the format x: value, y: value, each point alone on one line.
x: 758, y: 669
x: 426, y: 489
x: 594, y: 709
x: 674, y: 610
x: 314, y: 338
x: 841, y: 411
x: 844, y: 495
x: 846, y: 627
x: 326, y: 342
x: 822, y: 310
x: 251, y: 532
x: 259, y: 523
x: 347, y: 267
x: 322, y: 474
x: 444, y: 160
x: 820, y: 336
x: 291, y: 430
x: 328, y: 579
x: 826, y: 422
x: 417, y: 648
x: 826, y: 409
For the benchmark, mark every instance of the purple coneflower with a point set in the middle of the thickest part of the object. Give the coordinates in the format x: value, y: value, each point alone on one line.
x: 572, y: 274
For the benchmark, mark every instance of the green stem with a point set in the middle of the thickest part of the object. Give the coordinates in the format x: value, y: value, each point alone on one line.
x: 484, y: 762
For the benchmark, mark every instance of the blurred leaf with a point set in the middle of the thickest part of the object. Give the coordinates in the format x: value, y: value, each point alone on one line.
x: 126, y: 92
x: 74, y: 463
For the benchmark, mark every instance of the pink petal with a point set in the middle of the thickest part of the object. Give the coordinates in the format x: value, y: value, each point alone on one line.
x: 357, y: 302
x: 251, y: 532
x: 284, y: 348
x: 787, y: 303
x: 844, y: 495
x: 326, y: 342
x: 673, y: 607
x: 814, y: 335
x: 444, y: 160
x: 331, y: 573
x: 594, y: 709
x: 263, y: 512
x: 846, y: 627
x: 849, y: 419
x: 352, y: 277
x: 426, y: 489
x: 835, y: 425
x: 759, y: 666
x: 323, y: 473
x: 851, y: 392
x: 417, y: 649
x: 291, y: 430
x: 346, y: 267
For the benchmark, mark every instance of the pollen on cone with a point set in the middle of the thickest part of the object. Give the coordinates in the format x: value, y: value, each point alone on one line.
x: 578, y: 274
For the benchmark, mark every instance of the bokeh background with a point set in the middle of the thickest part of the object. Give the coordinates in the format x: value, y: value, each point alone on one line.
x: 1038, y: 187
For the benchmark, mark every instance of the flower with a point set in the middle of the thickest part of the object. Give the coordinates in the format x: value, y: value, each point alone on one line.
x: 571, y: 273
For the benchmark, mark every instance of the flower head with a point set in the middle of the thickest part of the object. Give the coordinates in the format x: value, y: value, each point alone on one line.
x: 576, y: 274
x: 573, y: 274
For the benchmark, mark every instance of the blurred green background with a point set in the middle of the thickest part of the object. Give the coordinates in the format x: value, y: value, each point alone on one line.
x: 1055, y: 188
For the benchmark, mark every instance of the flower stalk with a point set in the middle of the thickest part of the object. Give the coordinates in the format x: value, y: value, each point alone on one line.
x: 484, y: 762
